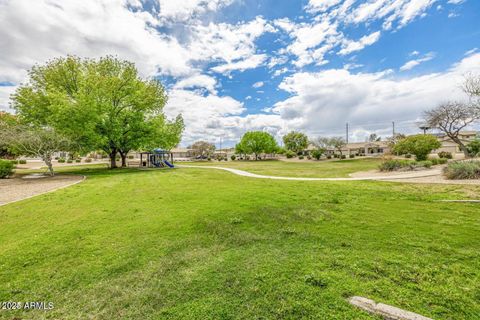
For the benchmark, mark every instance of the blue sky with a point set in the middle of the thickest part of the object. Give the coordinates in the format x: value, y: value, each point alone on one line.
x: 236, y: 65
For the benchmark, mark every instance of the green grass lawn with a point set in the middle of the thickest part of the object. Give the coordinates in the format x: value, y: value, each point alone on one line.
x: 207, y: 244
x: 315, y: 169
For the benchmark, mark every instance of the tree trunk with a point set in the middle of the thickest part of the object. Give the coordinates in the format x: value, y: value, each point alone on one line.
x: 113, y: 161
x: 462, y: 147
x: 123, y: 155
x: 48, y: 161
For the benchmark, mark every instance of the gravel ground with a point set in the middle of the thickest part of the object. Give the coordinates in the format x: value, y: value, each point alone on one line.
x: 18, y: 188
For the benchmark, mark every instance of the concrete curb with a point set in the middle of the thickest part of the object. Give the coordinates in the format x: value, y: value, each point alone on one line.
x: 384, y: 310
x: 39, y: 194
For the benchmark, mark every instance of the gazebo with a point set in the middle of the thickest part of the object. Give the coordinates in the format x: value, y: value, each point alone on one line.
x: 157, y: 158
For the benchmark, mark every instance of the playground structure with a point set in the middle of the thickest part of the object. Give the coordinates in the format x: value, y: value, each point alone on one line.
x: 158, y: 158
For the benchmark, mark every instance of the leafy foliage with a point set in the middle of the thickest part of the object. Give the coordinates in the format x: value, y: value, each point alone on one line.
x: 318, y: 152
x: 99, y: 104
x: 474, y: 147
x: 295, y: 141
x: 6, y: 168
x: 203, y: 148
x: 419, y: 145
x: 257, y: 142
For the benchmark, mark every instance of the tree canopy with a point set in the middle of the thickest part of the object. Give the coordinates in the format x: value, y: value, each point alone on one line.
x: 202, y: 148
x: 295, y: 141
x: 97, y: 103
x: 419, y: 145
x: 256, y: 143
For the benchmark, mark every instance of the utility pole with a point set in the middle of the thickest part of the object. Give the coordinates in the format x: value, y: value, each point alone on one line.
x: 393, y: 128
x: 346, y: 129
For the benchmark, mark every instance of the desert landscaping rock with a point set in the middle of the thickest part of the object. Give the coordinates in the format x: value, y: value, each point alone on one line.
x: 384, y: 310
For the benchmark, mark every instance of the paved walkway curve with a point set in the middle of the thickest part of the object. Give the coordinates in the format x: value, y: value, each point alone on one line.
x: 408, y: 175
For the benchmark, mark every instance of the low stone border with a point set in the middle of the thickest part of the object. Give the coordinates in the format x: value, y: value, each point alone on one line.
x: 39, y: 194
x: 384, y: 310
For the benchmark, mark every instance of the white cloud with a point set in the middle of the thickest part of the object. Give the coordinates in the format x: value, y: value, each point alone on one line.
x: 316, y: 6
x: 324, y: 101
x: 187, y: 9
x: 352, y: 46
x: 415, y: 62
x: 258, y: 84
x: 5, y: 92
x: 197, y: 81
x: 456, y: 1
x: 249, y: 63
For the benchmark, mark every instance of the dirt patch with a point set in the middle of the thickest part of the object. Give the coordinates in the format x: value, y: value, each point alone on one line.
x: 424, y: 176
x: 19, y: 188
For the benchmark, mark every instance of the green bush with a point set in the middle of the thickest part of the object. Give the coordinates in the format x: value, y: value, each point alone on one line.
x: 394, y: 165
x: 445, y: 155
x: 425, y: 164
x: 289, y: 154
x: 22, y: 161
x: 343, y: 156
x: 420, y: 145
x: 78, y: 160
x: 351, y: 156
x: 329, y: 157
x: 317, y: 153
x: 300, y: 157
x: 209, y: 159
x: 462, y: 170
x: 61, y: 160
x: 88, y: 160
x: 442, y: 161
x: 408, y: 156
x: 69, y: 161
x: 233, y: 157
x: 14, y: 161
x: 6, y: 168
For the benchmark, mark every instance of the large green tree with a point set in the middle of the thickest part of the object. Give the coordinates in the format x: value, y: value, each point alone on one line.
x: 7, y: 121
x: 419, y: 145
x: 295, y: 141
x: 256, y: 143
x: 98, y: 103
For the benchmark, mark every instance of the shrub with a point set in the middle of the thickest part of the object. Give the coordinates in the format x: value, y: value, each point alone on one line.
x: 22, y: 161
x: 6, y: 168
x: 209, y: 159
x: 343, y: 156
x: 445, y: 155
x: 425, y: 164
x: 442, y: 161
x: 88, y: 160
x: 14, y: 161
x: 329, y: 157
x: 289, y: 154
x: 474, y: 147
x: 309, y: 157
x: 131, y: 157
x: 61, y: 160
x: 78, y: 160
x: 300, y: 157
x: 408, y: 156
x: 233, y: 157
x: 434, y: 161
x: 420, y: 145
x: 463, y: 170
x: 56, y: 158
x: 69, y: 161
x: 317, y: 153
x: 351, y: 156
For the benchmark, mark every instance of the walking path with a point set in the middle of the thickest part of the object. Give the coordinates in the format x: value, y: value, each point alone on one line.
x: 402, y: 176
